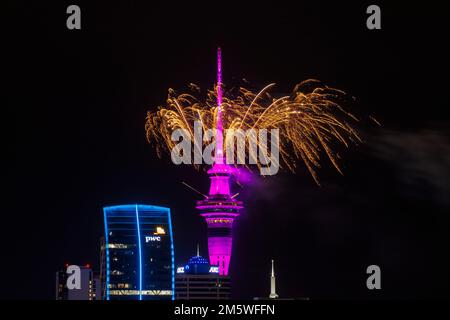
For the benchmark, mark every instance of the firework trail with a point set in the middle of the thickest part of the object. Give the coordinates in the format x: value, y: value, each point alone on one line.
x: 310, y: 120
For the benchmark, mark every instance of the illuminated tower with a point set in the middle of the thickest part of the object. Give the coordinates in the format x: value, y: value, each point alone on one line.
x: 219, y: 208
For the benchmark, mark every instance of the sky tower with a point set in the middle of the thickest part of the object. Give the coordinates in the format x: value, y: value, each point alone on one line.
x: 219, y: 208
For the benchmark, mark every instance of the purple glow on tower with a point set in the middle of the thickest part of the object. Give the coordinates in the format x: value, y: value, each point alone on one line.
x: 220, y: 209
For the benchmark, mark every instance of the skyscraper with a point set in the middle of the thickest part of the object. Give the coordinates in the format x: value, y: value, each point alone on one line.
x: 199, y: 280
x: 90, y: 288
x: 219, y: 208
x: 139, y: 253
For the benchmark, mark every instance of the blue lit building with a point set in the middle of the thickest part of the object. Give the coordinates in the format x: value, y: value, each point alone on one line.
x: 199, y: 280
x: 138, y: 253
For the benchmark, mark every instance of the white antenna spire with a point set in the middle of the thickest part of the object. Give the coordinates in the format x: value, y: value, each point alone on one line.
x: 273, y: 294
x: 198, y: 250
x: 273, y: 272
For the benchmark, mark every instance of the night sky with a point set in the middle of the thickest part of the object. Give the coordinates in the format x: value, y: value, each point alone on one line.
x: 80, y: 98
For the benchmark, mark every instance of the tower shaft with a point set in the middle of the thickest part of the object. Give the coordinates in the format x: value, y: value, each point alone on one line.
x: 219, y: 211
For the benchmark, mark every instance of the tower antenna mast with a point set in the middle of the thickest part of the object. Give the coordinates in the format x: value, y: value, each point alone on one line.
x: 219, y: 127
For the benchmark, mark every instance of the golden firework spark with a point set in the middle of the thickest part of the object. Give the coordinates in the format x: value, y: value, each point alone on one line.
x: 310, y: 120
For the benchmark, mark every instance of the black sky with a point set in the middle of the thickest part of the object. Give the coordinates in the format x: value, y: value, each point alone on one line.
x: 80, y: 99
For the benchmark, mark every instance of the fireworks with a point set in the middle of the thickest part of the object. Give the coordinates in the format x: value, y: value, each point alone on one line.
x: 310, y: 120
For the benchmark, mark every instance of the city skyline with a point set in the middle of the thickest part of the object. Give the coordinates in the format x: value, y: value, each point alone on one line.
x: 80, y: 143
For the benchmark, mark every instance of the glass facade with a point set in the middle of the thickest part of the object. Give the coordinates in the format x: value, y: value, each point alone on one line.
x: 139, y: 253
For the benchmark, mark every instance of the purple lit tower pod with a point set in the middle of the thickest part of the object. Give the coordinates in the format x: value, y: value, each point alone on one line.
x: 219, y: 208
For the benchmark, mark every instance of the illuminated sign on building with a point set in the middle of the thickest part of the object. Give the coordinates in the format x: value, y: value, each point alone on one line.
x: 212, y: 269
x: 160, y: 230
x: 152, y: 238
x: 180, y: 270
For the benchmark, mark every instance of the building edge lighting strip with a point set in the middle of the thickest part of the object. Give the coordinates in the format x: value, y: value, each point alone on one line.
x: 107, y: 254
x: 172, y: 253
x: 140, y: 252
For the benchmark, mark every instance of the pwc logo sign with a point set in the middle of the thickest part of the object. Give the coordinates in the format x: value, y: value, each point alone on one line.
x: 152, y: 239
x: 156, y: 235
